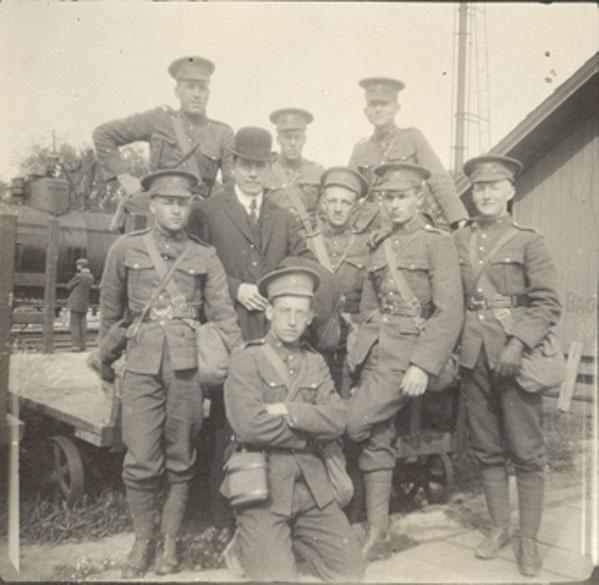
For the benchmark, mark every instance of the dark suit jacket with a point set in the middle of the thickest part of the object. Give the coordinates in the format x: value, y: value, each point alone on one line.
x: 222, y: 222
x: 80, y: 286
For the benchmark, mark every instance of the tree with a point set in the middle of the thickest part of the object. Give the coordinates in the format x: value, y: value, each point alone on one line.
x: 89, y: 190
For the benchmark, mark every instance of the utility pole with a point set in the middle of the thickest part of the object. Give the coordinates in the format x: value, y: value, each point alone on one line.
x: 460, y: 132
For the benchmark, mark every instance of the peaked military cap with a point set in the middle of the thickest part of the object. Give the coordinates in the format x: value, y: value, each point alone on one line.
x: 291, y: 118
x: 399, y: 176
x: 381, y: 88
x: 253, y: 143
x: 191, y: 67
x: 345, y: 177
x: 169, y: 183
x: 295, y: 281
x: 492, y: 168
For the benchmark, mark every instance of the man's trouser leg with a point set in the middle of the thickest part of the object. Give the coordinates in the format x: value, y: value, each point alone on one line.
x: 324, y: 539
x: 184, y: 411
x: 373, y: 409
x: 75, y: 327
x: 83, y: 331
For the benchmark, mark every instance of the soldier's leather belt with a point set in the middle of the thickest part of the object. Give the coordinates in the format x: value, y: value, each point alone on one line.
x: 170, y: 312
x: 403, y: 311
x: 505, y: 302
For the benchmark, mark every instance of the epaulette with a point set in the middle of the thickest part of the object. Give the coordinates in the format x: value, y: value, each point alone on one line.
x: 252, y: 342
x: 137, y: 232
x: 525, y: 228
x: 199, y: 240
x: 433, y: 230
x: 219, y: 123
x: 166, y: 108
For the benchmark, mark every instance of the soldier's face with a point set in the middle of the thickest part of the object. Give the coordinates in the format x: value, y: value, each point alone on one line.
x: 193, y: 95
x: 250, y: 175
x: 337, y: 204
x: 401, y: 206
x: 291, y: 143
x: 381, y: 113
x: 171, y: 213
x: 491, y: 197
x: 289, y: 317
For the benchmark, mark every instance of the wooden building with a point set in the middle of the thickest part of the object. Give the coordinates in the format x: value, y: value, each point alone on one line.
x: 558, y: 193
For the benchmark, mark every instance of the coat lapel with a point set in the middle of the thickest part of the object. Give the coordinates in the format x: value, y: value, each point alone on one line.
x: 267, y: 219
x: 238, y: 216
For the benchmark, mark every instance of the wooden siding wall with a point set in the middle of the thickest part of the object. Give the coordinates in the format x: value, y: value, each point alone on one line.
x: 559, y: 194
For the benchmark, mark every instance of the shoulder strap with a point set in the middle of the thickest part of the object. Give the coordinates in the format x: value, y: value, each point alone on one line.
x: 509, y: 234
x: 320, y: 250
x: 186, y: 148
x: 402, y: 284
x: 352, y: 239
x: 292, y: 191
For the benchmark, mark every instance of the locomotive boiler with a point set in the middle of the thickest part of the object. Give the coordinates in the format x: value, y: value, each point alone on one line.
x: 82, y: 234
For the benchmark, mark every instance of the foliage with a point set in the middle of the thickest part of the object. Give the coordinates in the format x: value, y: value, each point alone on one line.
x: 79, y: 166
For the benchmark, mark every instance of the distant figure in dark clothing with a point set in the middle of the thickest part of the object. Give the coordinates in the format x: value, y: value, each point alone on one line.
x: 78, y: 303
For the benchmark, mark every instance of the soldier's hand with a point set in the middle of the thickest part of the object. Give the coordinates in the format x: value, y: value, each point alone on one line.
x: 414, y: 381
x: 250, y: 298
x: 511, y: 358
x: 130, y: 184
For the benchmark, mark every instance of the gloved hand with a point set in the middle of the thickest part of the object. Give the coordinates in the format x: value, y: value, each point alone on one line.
x: 510, y: 360
x: 103, y: 369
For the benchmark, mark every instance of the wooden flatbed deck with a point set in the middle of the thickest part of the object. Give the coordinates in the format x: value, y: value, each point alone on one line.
x: 63, y: 387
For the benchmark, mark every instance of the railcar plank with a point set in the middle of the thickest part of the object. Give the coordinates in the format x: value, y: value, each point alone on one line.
x: 63, y: 387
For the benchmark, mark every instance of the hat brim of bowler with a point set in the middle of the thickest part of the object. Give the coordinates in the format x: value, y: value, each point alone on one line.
x: 240, y: 154
x: 268, y: 278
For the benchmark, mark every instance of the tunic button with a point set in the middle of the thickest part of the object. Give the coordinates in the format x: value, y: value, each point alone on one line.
x: 254, y: 263
x: 292, y: 371
x: 412, y: 266
x: 136, y: 266
x: 162, y: 322
x: 252, y: 246
x: 272, y: 383
x: 481, y: 248
x: 481, y: 317
x: 507, y: 259
x: 479, y: 290
x: 480, y: 261
x: 483, y: 236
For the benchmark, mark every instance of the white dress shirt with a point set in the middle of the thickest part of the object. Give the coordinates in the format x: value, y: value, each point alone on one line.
x: 246, y: 200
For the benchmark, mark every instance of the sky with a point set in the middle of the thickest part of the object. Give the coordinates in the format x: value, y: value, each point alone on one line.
x: 68, y: 67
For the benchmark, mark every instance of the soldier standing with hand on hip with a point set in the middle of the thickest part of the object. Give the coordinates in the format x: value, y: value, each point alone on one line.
x: 510, y: 287
x: 410, y: 318
x: 161, y: 394
x: 185, y: 139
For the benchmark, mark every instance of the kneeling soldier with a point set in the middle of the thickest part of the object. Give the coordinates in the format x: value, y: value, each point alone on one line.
x: 280, y: 398
x: 510, y: 283
x: 161, y: 394
x: 410, y: 318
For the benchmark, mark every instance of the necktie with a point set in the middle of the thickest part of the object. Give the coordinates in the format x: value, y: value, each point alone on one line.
x: 254, y: 214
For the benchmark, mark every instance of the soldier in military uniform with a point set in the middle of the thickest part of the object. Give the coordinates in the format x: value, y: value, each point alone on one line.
x: 294, y: 182
x: 343, y: 251
x: 161, y: 395
x: 280, y: 398
x: 389, y: 143
x: 510, y: 287
x: 185, y: 138
x: 400, y: 345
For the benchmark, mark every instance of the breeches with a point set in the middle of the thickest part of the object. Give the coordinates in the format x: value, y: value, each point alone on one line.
x: 78, y: 327
x: 505, y: 421
x: 372, y: 411
x: 161, y: 417
x: 323, y: 538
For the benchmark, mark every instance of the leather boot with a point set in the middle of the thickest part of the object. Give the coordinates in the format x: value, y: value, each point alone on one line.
x: 173, y: 512
x: 142, y: 506
x: 378, y: 492
x: 497, y: 496
x: 531, y: 491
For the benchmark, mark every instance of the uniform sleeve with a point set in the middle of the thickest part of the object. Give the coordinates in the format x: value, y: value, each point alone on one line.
x: 113, y: 288
x: 73, y: 282
x: 368, y: 301
x: 327, y: 418
x: 246, y: 409
x: 110, y: 136
x: 443, y: 327
x: 296, y: 243
x: 354, y: 158
x: 544, y: 306
x: 218, y: 306
x: 226, y: 165
x: 440, y: 182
